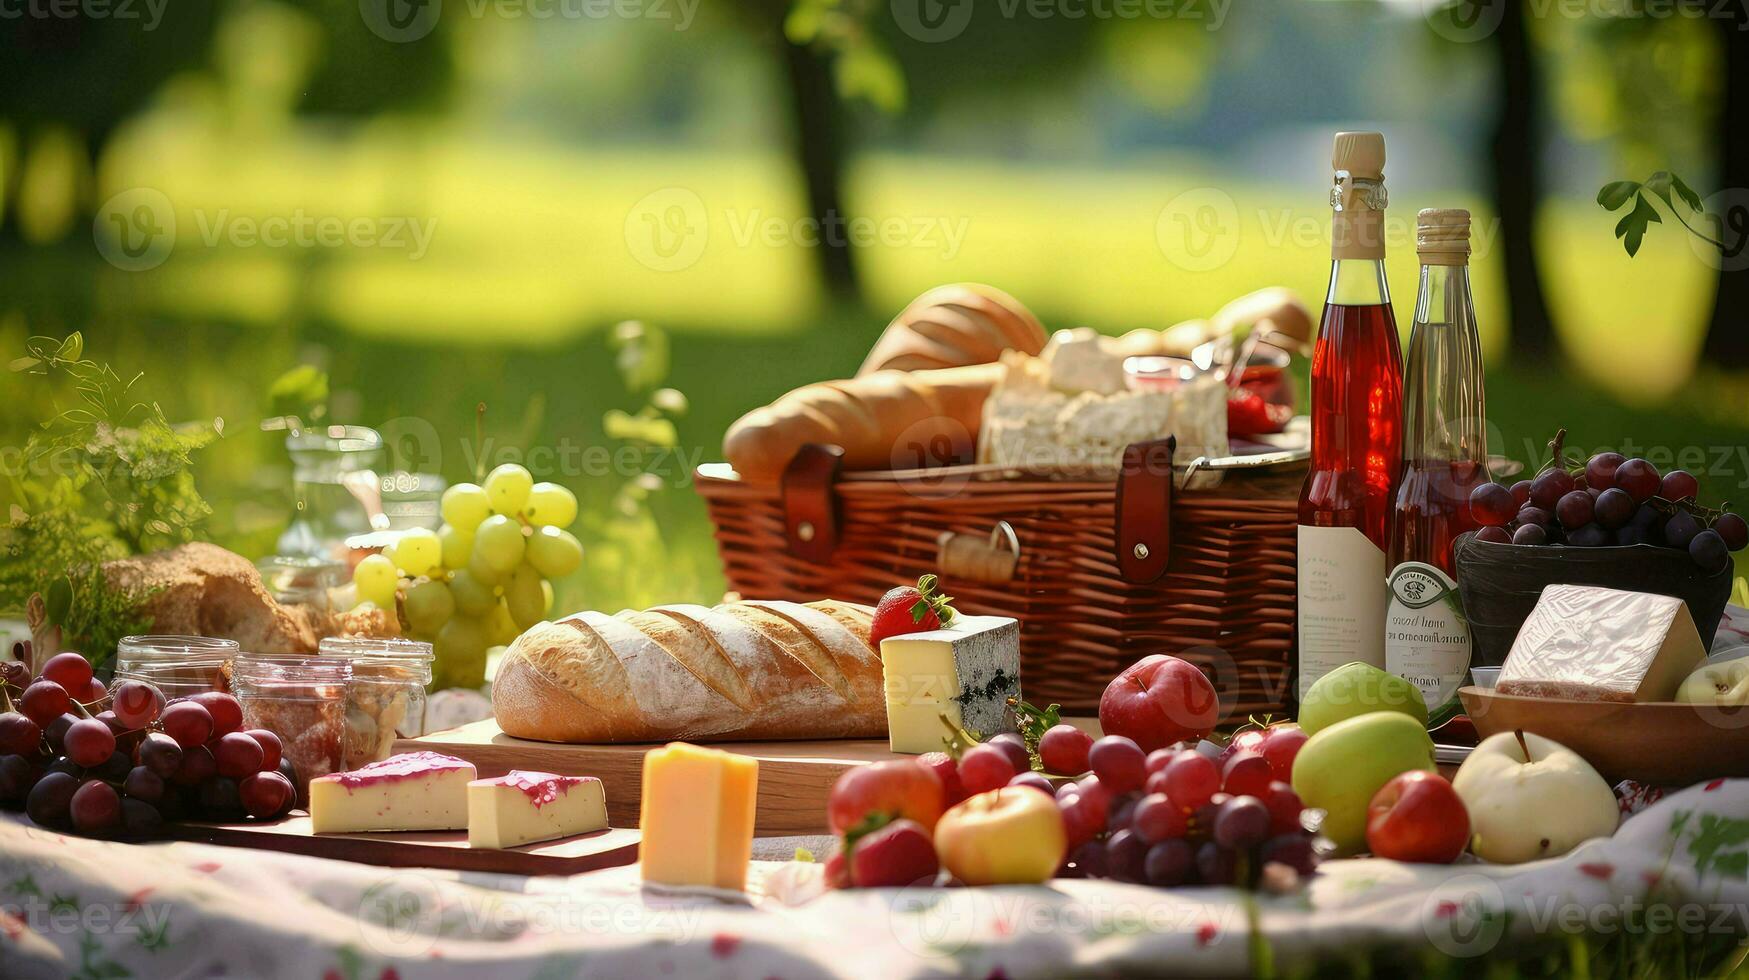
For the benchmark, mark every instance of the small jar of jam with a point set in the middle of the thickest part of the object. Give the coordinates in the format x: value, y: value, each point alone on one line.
x: 303, y: 701
x: 177, y: 665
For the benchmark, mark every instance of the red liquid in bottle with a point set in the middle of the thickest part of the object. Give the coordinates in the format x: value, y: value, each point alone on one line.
x: 1357, y: 422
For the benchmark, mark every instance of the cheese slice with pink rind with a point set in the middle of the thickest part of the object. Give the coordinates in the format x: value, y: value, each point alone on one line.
x: 416, y: 791
x: 524, y: 807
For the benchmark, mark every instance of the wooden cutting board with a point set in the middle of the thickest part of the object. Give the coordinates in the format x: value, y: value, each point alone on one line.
x: 425, y: 849
x: 794, y: 777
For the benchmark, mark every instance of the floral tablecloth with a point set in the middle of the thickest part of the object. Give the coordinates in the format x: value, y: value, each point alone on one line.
x: 95, y: 909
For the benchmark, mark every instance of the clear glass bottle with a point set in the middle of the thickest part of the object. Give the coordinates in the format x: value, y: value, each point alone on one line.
x: 385, y: 697
x: 177, y: 665
x: 331, y: 467
x: 1445, y: 455
x: 1357, y: 430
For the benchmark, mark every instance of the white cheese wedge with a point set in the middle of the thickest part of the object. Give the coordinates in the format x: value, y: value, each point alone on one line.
x: 1592, y: 644
x: 417, y: 791
x: 524, y: 807
x: 965, y: 672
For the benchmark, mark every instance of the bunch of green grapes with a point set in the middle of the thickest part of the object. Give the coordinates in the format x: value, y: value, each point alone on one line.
x: 484, y: 576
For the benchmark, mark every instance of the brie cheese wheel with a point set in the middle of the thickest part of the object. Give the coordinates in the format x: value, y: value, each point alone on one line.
x: 965, y: 672
x: 417, y: 791
x: 524, y: 807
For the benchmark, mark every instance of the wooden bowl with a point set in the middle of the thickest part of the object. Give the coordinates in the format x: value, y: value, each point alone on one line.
x: 1662, y: 743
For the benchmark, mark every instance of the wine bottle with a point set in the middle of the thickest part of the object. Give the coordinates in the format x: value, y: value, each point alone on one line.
x: 1427, y: 640
x: 1357, y: 429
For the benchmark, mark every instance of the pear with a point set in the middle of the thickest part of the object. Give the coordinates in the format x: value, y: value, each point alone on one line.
x: 1355, y: 689
x: 1341, y: 768
x: 1721, y: 683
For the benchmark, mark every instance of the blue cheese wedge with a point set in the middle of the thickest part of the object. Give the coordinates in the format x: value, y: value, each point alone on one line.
x: 965, y: 672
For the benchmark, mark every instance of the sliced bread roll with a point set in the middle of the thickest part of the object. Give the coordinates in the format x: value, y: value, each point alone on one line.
x: 739, y: 671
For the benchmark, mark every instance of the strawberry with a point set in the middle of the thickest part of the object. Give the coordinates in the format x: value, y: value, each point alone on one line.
x: 910, y: 609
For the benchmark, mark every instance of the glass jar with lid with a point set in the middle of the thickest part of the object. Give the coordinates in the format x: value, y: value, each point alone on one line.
x: 177, y: 665
x: 385, y: 697
x: 303, y: 701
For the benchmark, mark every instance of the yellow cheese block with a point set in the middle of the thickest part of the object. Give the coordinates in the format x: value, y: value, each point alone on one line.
x: 524, y: 807
x: 697, y: 816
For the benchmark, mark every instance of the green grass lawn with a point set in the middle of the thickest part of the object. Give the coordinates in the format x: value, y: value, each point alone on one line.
x: 534, y: 250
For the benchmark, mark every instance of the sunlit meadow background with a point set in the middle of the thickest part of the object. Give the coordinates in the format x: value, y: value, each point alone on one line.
x: 545, y: 156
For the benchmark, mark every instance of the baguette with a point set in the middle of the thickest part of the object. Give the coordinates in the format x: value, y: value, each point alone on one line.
x: 885, y: 420
x: 952, y: 326
x: 739, y: 671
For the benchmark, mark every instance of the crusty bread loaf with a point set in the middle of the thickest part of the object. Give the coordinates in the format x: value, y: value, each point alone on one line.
x: 952, y: 326
x: 886, y: 420
x: 739, y: 671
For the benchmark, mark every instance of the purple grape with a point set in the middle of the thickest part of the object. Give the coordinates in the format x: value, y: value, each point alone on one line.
x: 1491, y: 504
x: 1709, y: 552
x: 1632, y: 535
x: 1574, y: 509
x: 1294, y: 850
x: 1679, y: 485
x: 1242, y: 822
x: 139, y: 818
x: 1521, y: 493
x: 1600, y: 470
x: 1089, y: 859
x: 1734, y: 530
x: 1639, y: 478
x: 1169, y: 863
x: 1588, y: 536
x: 1681, y: 529
x: 17, y: 776
x: 1533, y: 515
x: 51, y: 799
x: 1614, y: 507
x: 1121, y: 810
x: 1126, y: 856
x: 1549, y: 487
x: 1495, y: 535
x: 1216, y: 865
x: 1530, y: 534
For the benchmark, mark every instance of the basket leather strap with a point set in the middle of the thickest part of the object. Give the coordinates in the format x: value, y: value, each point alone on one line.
x: 810, y: 508
x: 1143, y: 535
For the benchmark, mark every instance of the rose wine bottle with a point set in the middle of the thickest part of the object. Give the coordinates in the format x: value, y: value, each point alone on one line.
x: 1357, y: 429
x: 1445, y: 455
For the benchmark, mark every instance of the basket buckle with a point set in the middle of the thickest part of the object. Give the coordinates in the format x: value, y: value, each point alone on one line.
x: 810, y: 508
x: 1143, y: 535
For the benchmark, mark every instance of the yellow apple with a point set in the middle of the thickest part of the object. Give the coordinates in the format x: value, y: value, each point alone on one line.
x: 1722, y: 683
x: 1531, y: 797
x: 1008, y: 836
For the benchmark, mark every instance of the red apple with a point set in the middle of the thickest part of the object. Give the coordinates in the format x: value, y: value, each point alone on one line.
x: 1159, y: 700
x: 900, y: 854
x: 1417, y: 816
x: 901, y: 788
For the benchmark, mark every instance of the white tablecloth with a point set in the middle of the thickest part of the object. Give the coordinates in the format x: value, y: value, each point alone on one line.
x: 107, y: 910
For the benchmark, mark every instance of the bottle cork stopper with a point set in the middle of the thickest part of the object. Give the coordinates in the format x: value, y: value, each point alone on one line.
x: 1361, y: 154
x: 1442, y: 236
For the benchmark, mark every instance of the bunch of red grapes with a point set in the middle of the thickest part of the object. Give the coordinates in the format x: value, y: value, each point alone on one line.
x: 1612, y: 501
x: 119, y: 763
x: 1182, y: 816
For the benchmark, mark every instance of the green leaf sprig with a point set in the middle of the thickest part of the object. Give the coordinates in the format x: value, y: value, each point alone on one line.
x: 1669, y: 188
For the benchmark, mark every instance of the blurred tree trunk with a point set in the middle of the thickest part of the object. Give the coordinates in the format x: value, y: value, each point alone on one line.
x: 1517, y: 183
x: 818, y: 136
x: 1727, y: 338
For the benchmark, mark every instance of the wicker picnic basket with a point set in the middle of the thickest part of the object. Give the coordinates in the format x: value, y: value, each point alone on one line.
x: 1099, y: 573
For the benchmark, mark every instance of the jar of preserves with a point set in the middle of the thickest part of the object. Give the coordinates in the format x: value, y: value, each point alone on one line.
x: 303, y: 701
x: 177, y: 665
x: 385, y: 697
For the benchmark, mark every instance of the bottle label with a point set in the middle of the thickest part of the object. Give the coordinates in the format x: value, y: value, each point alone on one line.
x: 1341, y: 607
x: 1427, y: 639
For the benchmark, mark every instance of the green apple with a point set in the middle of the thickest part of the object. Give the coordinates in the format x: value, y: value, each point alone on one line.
x: 1341, y: 767
x: 1356, y: 689
x: 1723, y: 683
x: 1531, y: 797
